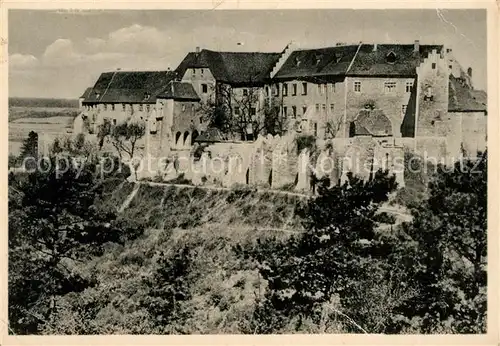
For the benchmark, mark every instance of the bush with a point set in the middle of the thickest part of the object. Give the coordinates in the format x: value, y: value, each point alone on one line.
x: 306, y: 142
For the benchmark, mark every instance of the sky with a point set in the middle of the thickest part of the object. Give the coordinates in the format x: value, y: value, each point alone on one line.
x: 60, y: 53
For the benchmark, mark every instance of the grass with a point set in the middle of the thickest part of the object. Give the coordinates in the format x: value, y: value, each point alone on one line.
x: 171, y: 207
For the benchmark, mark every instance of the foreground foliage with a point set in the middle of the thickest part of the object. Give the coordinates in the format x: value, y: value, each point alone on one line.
x: 239, y: 262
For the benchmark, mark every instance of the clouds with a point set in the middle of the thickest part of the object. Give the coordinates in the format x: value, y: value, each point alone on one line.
x: 23, y: 61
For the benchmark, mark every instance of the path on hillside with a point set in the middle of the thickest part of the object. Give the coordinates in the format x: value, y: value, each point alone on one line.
x: 218, y: 188
x: 402, y: 214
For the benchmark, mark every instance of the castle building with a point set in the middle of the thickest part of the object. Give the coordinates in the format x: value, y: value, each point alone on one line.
x: 387, y: 97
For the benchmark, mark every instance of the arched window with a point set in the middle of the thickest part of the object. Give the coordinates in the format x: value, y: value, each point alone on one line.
x: 177, y: 138
x: 194, y: 135
x: 186, y: 135
x: 352, y: 129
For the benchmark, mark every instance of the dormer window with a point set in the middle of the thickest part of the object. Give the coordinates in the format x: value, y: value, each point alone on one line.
x: 97, y: 95
x: 147, y: 96
x: 391, y: 58
x: 317, y: 59
x: 297, y: 61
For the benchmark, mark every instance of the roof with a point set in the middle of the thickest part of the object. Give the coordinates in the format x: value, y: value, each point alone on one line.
x: 86, y: 93
x: 462, y: 98
x: 372, y: 122
x: 317, y: 62
x: 211, y: 135
x: 179, y: 91
x: 236, y: 68
x: 129, y: 87
x: 371, y: 62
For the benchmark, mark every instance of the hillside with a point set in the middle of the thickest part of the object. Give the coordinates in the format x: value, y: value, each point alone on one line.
x: 211, y: 224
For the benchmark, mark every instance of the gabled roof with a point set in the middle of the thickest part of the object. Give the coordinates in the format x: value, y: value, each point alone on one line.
x: 86, y: 93
x: 370, y: 62
x: 129, y: 87
x: 236, y: 68
x: 372, y: 122
x: 332, y: 61
x: 179, y: 91
x: 462, y: 98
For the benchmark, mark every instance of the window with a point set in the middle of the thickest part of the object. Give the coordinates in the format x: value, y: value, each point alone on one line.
x: 323, y: 108
x: 320, y: 90
x: 245, y: 92
x: 267, y: 91
x: 183, y: 107
x: 148, y: 108
x: 114, y: 122
x: 294, y: 111
x: 105, y: 107
x: 253, y: 111
x: 403, y: 109
x: 390, y: 87
x: 304, y: 109
x: 123, y: 107
x: 113, y: 107
x: 433, y: 65
x: 201, y: 72
x: 391, y: 58
x: 317, y: 107
x: 409, y: 87
x: 315, y: 129
x: 332, y: 107
x: 325, y: 88
x: 276, y: 90
x: 285, y: 111
x: 294, y: 89
x: 428, y: 94
x: 194, y: 72
x: 357, y: 86
x: 236, y: 110
x: 141, y: 107
x: 204, y: 88
x: 332, y: 86
x: 285, y: 89
x: 304, y: 88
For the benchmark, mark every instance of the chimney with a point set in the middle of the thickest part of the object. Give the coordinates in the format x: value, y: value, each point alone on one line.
x: 416, y: 46
x: 197, y: 49
x: 374, y: 47
x: 469, y: 72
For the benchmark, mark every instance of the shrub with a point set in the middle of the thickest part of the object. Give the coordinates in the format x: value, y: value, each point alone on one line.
x: 306, y: 142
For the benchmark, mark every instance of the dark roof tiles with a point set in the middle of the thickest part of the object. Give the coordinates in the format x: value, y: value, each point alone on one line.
x: 238, y: 68
x: 462, y: 98
x: 379, y: 62
x: 317, y: 62
x: 179, y: 91
x: 129, y: 87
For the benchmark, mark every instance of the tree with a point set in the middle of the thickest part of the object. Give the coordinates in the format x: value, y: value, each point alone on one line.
x: 449, y: 264
x: 30, y: 150
x: 340, y: 254
x: 243, y: 112
x: 54, y: 221
x: 124, y: 137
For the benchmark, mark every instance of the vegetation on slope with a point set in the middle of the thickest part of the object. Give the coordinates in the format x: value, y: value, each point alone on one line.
x: 241, y: 261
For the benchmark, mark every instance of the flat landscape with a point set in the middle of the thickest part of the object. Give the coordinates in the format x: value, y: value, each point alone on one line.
x: 44, y: 116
